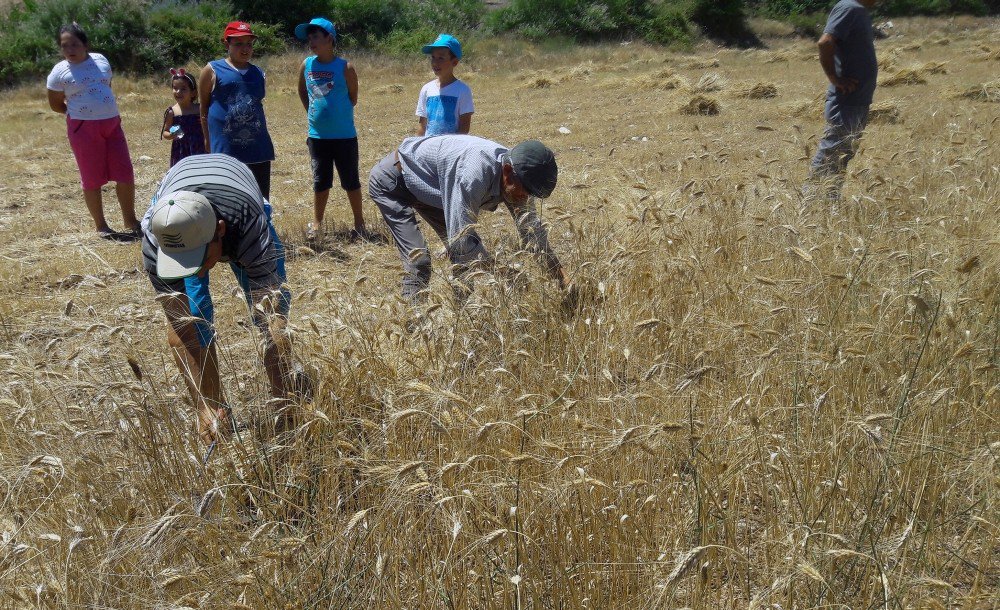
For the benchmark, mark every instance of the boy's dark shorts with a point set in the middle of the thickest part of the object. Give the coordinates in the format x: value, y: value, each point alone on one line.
x: 340, y: 152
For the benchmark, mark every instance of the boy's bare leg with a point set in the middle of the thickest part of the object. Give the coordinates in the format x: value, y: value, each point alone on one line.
x: 319, y: 208
x: 359, y: 220
x: 199, y: 366
x: 277, y: 356
x: 277, y: 364
x: 95, y: 206
x: 126, y: 199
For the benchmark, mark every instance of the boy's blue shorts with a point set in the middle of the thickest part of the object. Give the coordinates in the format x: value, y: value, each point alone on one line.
x: 200, y: 298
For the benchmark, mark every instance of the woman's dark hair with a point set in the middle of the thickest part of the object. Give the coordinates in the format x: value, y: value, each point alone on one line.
x: 74, y: 29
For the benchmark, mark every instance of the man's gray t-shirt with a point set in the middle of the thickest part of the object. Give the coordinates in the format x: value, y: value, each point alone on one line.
x: 850, y: 24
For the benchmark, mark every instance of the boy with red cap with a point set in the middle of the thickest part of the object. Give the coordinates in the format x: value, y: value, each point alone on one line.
x: 231, y: 91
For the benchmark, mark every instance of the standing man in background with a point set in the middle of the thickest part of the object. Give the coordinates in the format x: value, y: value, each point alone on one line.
x: 847, y: 55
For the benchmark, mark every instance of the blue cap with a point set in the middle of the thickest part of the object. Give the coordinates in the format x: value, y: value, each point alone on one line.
x: 320, y: 22
x: 445, y: 41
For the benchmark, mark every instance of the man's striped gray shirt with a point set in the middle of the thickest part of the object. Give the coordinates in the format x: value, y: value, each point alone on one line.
x: 230, y: 187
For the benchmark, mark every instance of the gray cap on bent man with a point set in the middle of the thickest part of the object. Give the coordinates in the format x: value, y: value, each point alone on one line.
x: 183, y: 224
x: 535, y: 166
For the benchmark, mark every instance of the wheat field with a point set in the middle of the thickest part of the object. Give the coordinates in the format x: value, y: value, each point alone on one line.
x: 759, y: 402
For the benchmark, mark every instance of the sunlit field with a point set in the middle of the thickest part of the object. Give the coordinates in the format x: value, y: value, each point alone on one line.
x: 758, y: 402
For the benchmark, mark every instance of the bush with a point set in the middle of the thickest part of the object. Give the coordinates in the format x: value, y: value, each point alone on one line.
x: 402, y: 42
x: 117, y: 29
x: 388, y: 24
x: 591, y: 20
x: 668, y: 25
x: 808, y: 24
x: 935, y: 7
x: 193, y: 31
x: 365, y: 21
x: 447, y: 15
x: 784, y: 8
x: 190, y: 32
x: 285, y: 14
x: 723, y: 19
x: 135, y: 35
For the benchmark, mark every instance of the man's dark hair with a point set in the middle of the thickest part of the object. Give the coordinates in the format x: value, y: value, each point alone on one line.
x: 74, y: 29
x: 316, y: 28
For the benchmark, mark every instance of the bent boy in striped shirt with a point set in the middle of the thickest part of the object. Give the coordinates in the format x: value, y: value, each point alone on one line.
x: 207, y: 210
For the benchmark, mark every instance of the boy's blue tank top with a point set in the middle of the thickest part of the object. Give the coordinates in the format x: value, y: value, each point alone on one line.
x: 236, y: 123
x: 331, y: 114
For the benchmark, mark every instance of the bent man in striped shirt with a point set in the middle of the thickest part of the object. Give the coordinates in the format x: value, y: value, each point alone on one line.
x: 207, y: 210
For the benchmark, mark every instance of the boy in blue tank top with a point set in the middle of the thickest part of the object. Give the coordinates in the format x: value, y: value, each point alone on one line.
x: 328, y: 88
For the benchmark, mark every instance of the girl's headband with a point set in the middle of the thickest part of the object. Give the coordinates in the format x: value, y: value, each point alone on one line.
x: 182, y: 73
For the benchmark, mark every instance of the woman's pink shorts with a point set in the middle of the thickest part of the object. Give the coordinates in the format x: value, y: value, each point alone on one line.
x: 101, y: 152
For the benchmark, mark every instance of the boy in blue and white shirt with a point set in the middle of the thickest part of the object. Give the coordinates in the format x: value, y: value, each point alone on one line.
x: 445, y: 103
x: 328, y: 89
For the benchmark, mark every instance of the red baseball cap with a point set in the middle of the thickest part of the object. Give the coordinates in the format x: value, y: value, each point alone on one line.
x: 237, y: 29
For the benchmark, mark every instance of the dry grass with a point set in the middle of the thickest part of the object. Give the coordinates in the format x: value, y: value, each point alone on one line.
x: 758, y: 404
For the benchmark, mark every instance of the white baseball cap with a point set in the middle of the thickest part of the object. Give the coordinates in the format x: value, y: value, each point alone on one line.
x: 183, y: 224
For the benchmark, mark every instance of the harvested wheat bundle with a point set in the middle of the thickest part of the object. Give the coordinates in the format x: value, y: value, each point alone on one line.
x: 934, y: 67
x: 813, y: 108
x: 757, y: 91
x: 986, y: 92
x: 664, y: 80
x: 701, y: 64
x: 778, y: 56
x: 539, y: 83
x: 887, y: 61
x: 906, y: 76
x: 710, y: 82
x: 884, y: 113
x: 701, y: 104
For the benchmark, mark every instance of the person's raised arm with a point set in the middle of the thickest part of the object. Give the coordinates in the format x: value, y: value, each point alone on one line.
x: 351, y: 75
x: 57, y: 101
x: 206, y: 82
